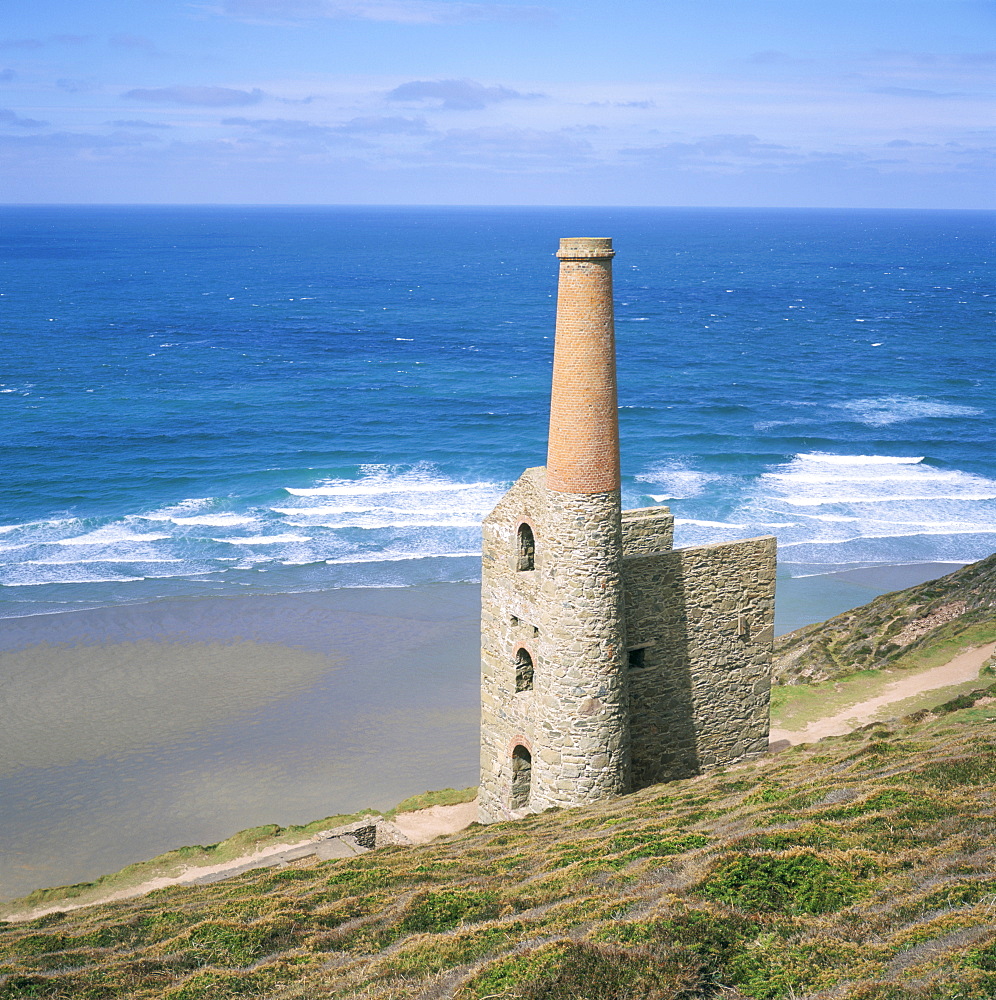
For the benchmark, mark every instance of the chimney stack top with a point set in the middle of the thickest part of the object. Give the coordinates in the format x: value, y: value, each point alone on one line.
x: 585, y: 247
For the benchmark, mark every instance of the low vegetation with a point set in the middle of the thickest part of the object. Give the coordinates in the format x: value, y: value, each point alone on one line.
x: 919, y: 627
x: 443, y: 797
x: 858, y: 868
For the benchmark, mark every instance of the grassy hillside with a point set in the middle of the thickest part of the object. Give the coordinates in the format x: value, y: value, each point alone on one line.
x: 860, y: 868
x: 921, y: 626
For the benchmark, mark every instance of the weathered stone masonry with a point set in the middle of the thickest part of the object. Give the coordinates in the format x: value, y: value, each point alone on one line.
x: 609, y: 661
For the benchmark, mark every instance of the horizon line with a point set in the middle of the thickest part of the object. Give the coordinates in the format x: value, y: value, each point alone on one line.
x: 477, y: 206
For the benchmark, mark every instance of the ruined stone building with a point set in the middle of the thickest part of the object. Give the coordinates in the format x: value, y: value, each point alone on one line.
x: 609, y: 660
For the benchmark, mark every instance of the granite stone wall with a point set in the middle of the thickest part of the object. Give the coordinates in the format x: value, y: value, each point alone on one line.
x: 700, y: 626
x: 511, y: 612
x: 647, y: 530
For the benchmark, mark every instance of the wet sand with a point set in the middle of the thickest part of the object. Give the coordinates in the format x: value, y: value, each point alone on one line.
x: 132, y: 730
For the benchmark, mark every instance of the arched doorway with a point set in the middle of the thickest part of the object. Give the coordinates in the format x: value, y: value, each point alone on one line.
x: 522, y: 767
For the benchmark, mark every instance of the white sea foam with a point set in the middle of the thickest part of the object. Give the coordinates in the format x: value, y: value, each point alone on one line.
x: 835, y: 509
x: 264, y: 539
x: 811, y: 480
x: 360, y: 488
x: 914, y: 474
x: 858, y: 459
x: 409, y: 519
x: 873, y: 509
x: 75, y: 579
x: 832, y: 517
x: 385, y: 515
x: 109, y: 535
x: 361, y: 508
x: 679, y: 481
x: 881, y: 537
x: 885, y: 498
x: 419, y: 500
x: 883, y: 410
x: 185, y: 508
x: 374, y: 557
x: 214, y: 520
x: 98, y: 559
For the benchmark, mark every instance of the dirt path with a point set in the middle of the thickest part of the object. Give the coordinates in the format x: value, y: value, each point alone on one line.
x: 964, y: 667
x: 427, y: 824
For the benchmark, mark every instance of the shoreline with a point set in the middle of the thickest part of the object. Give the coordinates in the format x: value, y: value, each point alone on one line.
x: 135, y: 728
x: 803, y: 598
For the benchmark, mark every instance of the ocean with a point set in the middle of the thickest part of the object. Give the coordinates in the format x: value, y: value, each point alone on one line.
x: 203, y: 401
x: 246, y: 453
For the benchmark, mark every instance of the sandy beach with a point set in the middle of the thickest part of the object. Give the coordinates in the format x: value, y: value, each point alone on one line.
x: 133, y: 730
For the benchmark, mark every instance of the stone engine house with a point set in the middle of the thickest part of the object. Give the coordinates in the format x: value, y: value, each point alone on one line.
x: 609, y: 660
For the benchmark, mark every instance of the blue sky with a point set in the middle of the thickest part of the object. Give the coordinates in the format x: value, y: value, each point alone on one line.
x: 674, y: 102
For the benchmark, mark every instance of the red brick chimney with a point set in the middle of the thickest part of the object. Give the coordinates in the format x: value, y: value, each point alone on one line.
x: 583, y: 451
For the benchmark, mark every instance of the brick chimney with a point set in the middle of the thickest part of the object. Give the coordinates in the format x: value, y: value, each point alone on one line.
x: 583, y: 451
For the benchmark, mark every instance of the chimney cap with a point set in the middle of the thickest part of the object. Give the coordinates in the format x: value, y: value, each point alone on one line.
x: 585, y: 247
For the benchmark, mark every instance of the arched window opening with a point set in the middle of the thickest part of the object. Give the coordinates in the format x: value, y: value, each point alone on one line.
x: 522, y: 767
x: 526, y: 557
x: 523, y: 671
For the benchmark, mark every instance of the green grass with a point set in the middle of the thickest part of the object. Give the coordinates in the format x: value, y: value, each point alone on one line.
x: 792, y: 882
x: 443, y: 797
x: 865, y: 638
x: 795, y: 706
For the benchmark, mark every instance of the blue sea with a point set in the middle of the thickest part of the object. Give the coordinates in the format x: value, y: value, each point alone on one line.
x: 208, y: 401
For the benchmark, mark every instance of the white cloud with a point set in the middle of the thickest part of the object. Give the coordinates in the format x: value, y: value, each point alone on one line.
x: 389, y: 125
x: 205, y: 97
x: 713, y: 150
x: 137, y: 123
x: 138, y: 42
x: 8, y: 117
x: 507, y: 147
x: 455, y: 95
x: 916, y: 92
